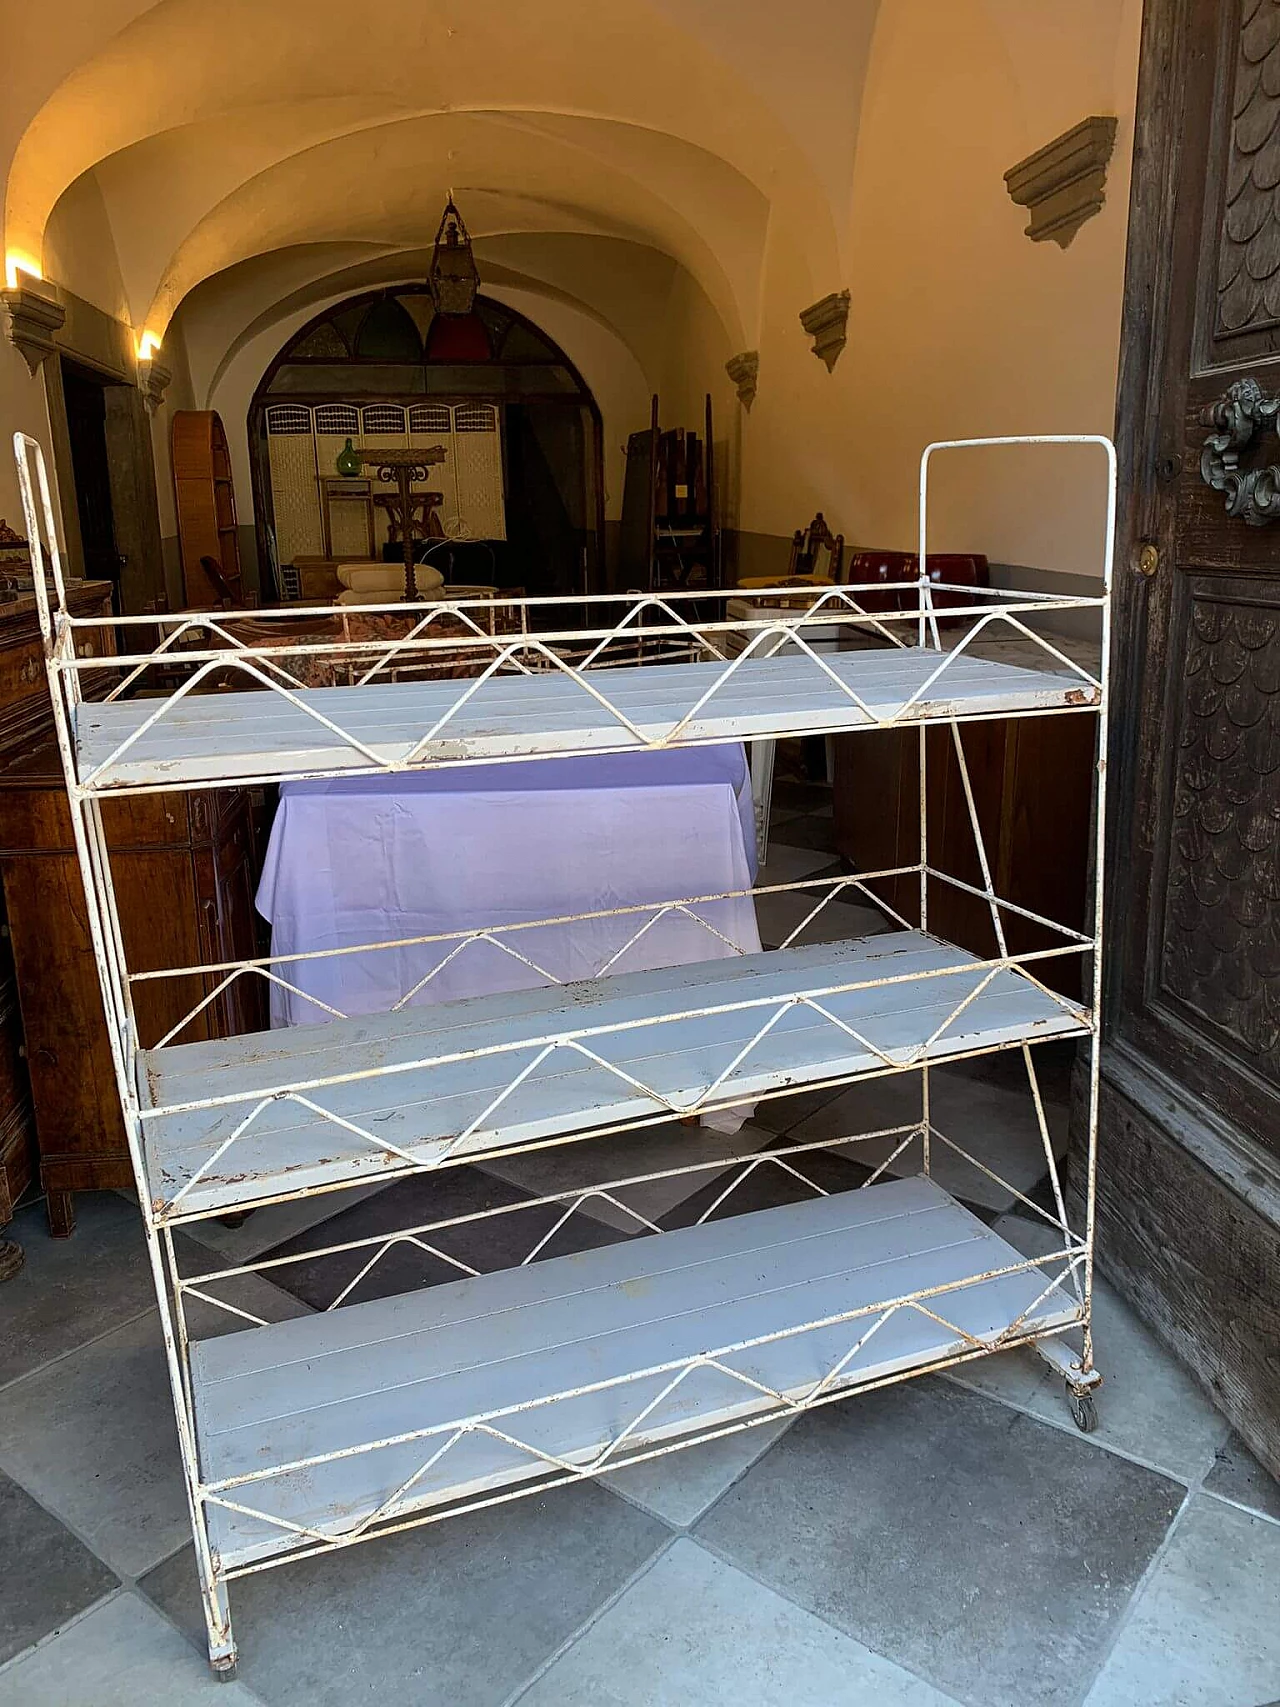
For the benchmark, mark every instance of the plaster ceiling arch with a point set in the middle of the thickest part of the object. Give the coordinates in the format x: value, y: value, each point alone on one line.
x: 387, y: 187
x: 286, y: 288
x: 157, y: 189
x: 157, y: 192
x: 183, y: 61
x: 39, y: 59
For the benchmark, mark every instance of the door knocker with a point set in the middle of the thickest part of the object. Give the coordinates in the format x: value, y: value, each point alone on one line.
x: 1240, y: 417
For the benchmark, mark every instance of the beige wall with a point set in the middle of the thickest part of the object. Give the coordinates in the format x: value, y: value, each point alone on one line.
x: 959, y: 325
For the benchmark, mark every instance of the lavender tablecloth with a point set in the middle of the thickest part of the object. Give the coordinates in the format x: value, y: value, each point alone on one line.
x: 372, y: 859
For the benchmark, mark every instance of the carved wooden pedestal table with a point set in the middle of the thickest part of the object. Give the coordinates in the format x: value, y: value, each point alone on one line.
x: 404, y: 467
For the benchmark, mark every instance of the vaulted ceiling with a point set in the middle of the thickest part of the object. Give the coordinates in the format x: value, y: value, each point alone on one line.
x: 202, y: 137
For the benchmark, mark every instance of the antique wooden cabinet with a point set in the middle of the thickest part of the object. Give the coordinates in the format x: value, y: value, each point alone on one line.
x: 17, y: 1132
x: 185, y: 870
x: 185, y: 873
x: 206, y: 504
x: 1032, y: 781
x: 24, y: 723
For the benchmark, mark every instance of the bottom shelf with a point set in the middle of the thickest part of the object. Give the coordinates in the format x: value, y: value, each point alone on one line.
x: 492, y: 1347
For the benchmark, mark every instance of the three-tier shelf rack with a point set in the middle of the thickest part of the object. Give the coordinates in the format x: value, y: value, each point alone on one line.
x: 309, y: 1434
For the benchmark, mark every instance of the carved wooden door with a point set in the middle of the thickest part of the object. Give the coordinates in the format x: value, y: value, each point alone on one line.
x: 1201, y: 976
x: 1191, y: 1109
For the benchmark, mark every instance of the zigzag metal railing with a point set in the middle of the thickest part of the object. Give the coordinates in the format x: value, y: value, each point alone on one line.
x: 579, y: 1200
x: 507, y: 651
x: 610, y: 1455
x: 228, y: 971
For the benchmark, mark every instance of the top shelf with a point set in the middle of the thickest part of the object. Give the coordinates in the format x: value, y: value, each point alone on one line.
x: 193, y: 741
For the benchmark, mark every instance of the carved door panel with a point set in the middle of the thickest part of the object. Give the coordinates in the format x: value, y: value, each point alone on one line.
x: 1198, y: 845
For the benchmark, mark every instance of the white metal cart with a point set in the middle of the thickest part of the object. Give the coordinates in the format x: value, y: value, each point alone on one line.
x: 308, y: 1435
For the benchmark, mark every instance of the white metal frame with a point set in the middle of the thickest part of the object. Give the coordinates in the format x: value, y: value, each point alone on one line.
x: 845, y: 1003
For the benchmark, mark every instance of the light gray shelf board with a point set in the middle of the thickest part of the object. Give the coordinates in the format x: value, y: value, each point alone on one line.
x: 422, y: 1110
x: 440, y: 1356
x: 261, y: 735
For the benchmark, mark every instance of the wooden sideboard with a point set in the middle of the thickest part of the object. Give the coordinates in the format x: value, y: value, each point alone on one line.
x: 1032, y: 781
x: 25, y: 723
x: 17, y: 1122
x: 185, y: 870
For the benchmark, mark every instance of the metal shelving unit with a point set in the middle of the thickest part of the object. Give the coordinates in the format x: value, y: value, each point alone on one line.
x: 310, y: 1434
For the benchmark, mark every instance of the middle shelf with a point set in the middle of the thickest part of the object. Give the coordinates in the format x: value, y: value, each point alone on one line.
x: 241, y: 1121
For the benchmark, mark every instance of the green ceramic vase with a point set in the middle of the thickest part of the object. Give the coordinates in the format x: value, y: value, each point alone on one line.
x: 348, y: 459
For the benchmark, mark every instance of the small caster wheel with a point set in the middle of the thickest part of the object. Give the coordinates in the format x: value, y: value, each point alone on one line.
x: 224, y: 1670
x: 1084, y: 1410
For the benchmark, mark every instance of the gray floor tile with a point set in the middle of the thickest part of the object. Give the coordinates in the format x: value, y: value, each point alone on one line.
x: 391, y: 1265
x: 979, y: 1548
x: 995, y: 1124
x: 797, y: 793
x: 1148, y: 1404
x: 779, y: 915
x: 695, y: 1631
x: 671, y: 1145
x: 266, y: 1228
x: 46, y: 1575
x: 782, y: 1114
x: 122, y: 1654
x: 454, y: 1615
x: 70, y: 1290
x: 788, y: 865
x: 1206, y: 1631
x: 94, y: 1437
x: 1237, y: 1475
x: 810, y: 830
x: 680, y: 1487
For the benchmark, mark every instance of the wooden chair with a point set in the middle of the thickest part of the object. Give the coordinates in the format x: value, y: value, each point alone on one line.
x: 817, y: 554
x: 229, y: 588
x: 816, y: 560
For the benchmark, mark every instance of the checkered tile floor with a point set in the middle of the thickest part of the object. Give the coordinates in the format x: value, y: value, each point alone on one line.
x: 945, y: 1541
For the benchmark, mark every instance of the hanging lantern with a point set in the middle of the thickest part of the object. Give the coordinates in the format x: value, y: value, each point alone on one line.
x: 453, y: 278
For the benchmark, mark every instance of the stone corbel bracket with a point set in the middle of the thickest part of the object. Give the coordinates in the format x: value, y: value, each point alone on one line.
x: 744, y: 370
x: 1064, y: 183
x: 825, y: 322
x: 32, y: 319
x: 153, y: 378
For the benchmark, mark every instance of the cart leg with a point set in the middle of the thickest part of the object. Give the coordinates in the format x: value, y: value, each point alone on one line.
x: 222, y: 1645
x: 1082, y: 1381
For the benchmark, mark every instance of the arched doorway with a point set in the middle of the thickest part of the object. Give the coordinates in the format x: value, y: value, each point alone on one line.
x: 522, y: 484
